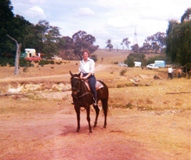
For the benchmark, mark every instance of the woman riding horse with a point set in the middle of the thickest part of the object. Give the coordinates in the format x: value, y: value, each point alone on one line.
x: 82, y: 97
x: 86, y: 69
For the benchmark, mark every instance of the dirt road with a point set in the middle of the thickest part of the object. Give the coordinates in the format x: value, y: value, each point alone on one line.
x: 52, y: 136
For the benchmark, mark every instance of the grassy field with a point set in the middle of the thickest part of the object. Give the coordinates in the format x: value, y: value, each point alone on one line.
x: 147, y: 118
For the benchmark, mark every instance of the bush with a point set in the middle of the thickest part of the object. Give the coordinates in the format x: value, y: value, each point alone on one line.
x: 7, y: 61
x: 135, y: 57
x: 45, y: 62
x: 24, y: 63
x: 123, y: 72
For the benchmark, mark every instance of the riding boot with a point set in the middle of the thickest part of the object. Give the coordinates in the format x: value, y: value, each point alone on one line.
x: 94, y: 102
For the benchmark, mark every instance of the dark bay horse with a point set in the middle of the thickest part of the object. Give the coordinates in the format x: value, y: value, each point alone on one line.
x: 83, y: 97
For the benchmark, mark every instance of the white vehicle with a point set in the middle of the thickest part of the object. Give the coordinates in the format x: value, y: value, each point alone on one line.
x: 137, y: 64
x: 122, y: 64
x: 57, y: 58
x: 152, y: 66
x: 160, y: 63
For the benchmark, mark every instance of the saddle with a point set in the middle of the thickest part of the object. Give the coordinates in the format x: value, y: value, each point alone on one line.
x: 98, y: 85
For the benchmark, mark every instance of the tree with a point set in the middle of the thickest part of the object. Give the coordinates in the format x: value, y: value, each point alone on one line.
x: 79, y: 41
x: 82, y: 41
x: 6, y: 16
x: 109, y: 45
x: 156, y: 41
x: 42, y: 36
x: 146, y: 47
x: 18, y: 46
x: 135, y: 48
x: 178, y: 42
x: 126, y: 42
x: 132, y: 57
x: 66, y: 43
x: 186, y: 16
x: 19, y: 29
x: 15, y: 26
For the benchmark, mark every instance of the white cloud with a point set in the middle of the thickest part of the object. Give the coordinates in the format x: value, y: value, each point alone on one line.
x: 105, y: 19
x: 37, y: 9
x: 36, y: 12
x: 37, y: 1
x: 84, y: 11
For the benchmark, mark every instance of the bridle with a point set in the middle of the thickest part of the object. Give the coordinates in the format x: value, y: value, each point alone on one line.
x: 77, y: 90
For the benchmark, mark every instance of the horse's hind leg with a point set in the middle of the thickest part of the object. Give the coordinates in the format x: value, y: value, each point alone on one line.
x: 97, y: 114
x: 88, y: 119
x: 105, y: 109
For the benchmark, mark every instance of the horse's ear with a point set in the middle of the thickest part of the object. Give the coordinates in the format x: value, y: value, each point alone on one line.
x: 70, y: 73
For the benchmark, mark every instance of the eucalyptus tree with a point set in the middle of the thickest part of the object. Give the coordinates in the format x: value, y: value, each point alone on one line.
x: 66, y: 43
x: 135, y: 48
x: 47, y: 38
x: 126, y: 42
x: 19, y: 29
x: 6, y: 17
x: 83, y: 40
x: 186, y: 16
x: 13, y: 25
x: 156, y: 41
x: 178, y: 41
x: 109, y: 44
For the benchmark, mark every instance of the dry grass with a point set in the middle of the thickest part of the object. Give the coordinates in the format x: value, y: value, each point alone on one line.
x: 149, y: 117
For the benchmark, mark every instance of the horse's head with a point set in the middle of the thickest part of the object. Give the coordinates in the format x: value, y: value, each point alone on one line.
x: 75, y: 83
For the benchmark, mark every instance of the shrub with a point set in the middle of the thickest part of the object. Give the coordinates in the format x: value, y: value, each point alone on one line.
x: 45, y: 62
x: 7, y: 61
x: 129, y: 105
x: 123, y: 72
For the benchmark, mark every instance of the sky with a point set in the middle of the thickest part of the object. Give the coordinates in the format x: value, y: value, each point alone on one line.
x: 105, y: 19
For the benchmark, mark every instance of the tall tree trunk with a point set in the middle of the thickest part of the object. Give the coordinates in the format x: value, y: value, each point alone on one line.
x: 18, y: 52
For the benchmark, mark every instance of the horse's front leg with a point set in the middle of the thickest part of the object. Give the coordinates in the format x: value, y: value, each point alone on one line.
x: 77, y: 109
x: 97, y: 114
x: 88, y: 118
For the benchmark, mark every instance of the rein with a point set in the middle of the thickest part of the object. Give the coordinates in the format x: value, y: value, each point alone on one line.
x: 78, y: 89
x: 83, y: 94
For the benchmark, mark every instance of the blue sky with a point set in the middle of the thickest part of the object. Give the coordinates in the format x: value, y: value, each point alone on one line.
x: 104, y: 19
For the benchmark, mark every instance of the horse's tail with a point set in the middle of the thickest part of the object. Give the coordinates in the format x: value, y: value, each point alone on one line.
x: 105, y: 89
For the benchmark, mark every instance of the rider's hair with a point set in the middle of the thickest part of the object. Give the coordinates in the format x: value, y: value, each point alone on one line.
x: 86, y: 50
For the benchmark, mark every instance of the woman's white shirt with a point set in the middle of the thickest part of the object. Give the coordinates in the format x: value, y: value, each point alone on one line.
x: 87, y: 66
